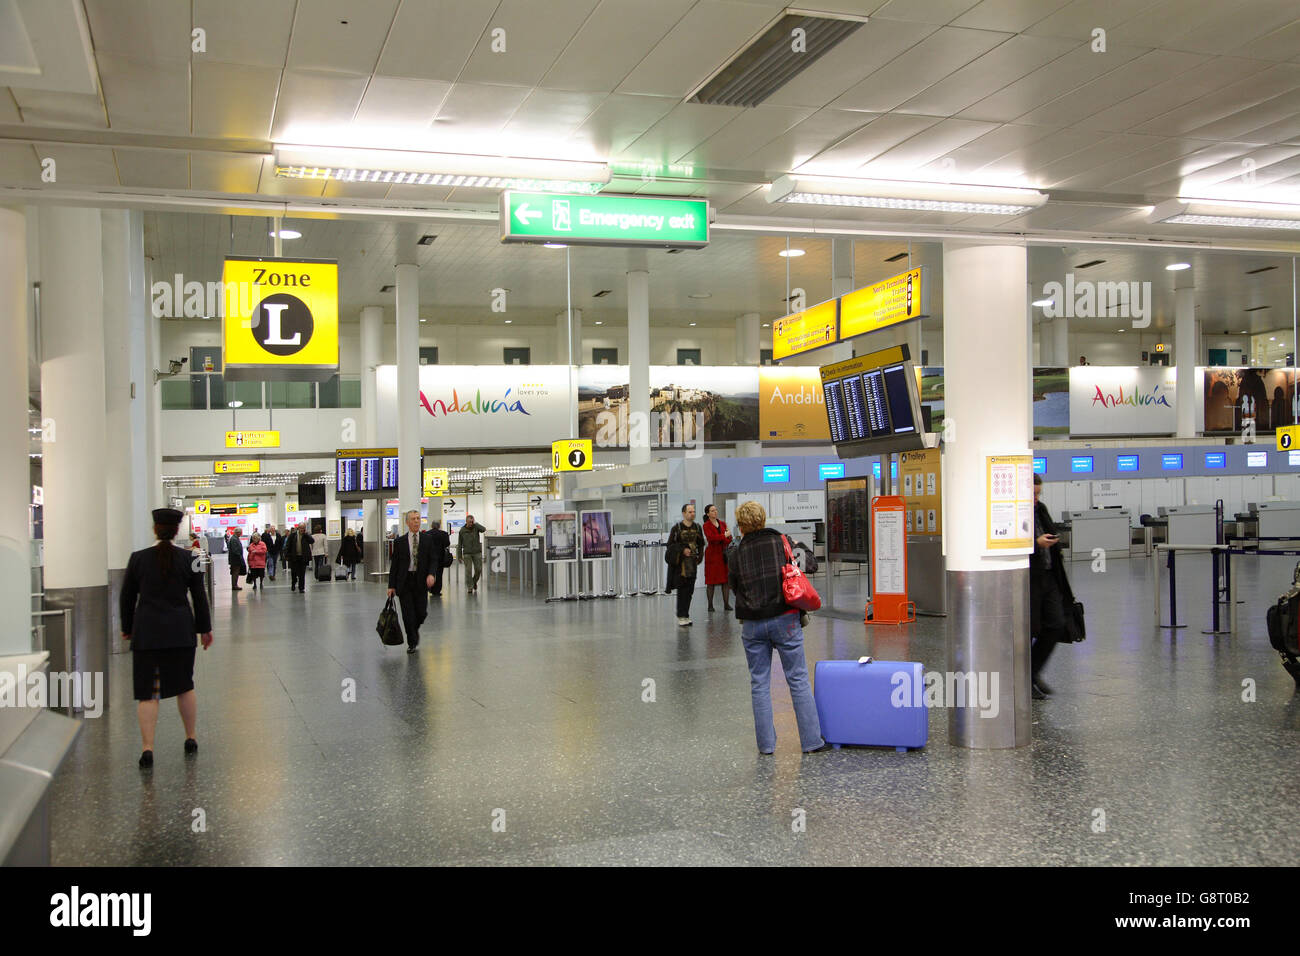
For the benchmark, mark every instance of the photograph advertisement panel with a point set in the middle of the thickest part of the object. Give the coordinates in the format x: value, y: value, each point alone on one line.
x: 597, y: 535
x: 561, y: 537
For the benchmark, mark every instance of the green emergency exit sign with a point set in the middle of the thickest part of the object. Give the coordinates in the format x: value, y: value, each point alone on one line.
x: 604, y: 220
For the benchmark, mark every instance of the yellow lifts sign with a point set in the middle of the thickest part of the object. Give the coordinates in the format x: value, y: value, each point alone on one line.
x: 253, y: 439
x: 281, y: 319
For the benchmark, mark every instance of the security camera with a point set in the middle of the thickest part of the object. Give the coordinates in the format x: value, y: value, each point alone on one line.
x: 174, y: 367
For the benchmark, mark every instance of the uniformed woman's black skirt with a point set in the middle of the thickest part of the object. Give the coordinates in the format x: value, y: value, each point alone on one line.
x: 163, y: 673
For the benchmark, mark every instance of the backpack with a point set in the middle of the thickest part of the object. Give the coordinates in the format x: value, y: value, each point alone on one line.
x: 1284, y: 627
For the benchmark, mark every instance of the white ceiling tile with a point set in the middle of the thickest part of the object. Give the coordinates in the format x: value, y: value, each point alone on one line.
x: 678, y: 133
x: 613, y: 40
x: 80, y: 165
x: 992, y: 146
x: 618, y: 122
x: 232, y: 100
x: 316, y: 107
x: 156, y: 168
x: 151, y: 30
x: 1165, y: 23
x: 19, y: 165
x: 1105, y: 174
x: 1021, y: 165
x: 701, y: 43
x: 146, y: 96
x: 805, y: 140
x: 1166, y: 177
x: 906, y: 160
x: 434, y: 39
x: 857, y: 56
x: 1079, y: 18
x: 735, y: 144
x: 340, y: 190
x: 393, y: 102
x: 984, y: 76
x: 8, y: 107
x: 1234, y: 174
x: 1232, y: 25
x: 1272, y: 121
x: 224, y: 172
x: 851, y: 153
x: 1224, y: 99
x: 231, y: 38
x: 536, y: 33
x: 41, y: 108
x: 1045, y: 84
x: 937, y: 12
x: 1012, y: 16
x: 545, y: 122
x: 476, y: 113
x: 1117, y: 85
x: 928, y: 62
x: 1145, y: 110
x: 1281, y: 44
x: 322, y: 42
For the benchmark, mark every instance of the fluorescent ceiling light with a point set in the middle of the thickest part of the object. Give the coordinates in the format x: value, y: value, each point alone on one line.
x: 413, y: 168
x: 554, y: 245
x: 893, y: 194
x: 1177, y: 266
x: 1042, y: 303
x: 700, y: 295
x: 790, y: 253
x: 1221, y: 212
x: 287, y: 234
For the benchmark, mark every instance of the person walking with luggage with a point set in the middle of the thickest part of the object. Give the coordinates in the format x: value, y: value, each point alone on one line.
x: 297, y: 552
x: 715, y: 562
x: 684, y: 553
x: 1050, y: 595
x: 767, y: 624
x: 235, y: 556
x: 410, y: 576
x: 469, y: 551
x: 319, y: 557
x: 273, y: 541
x: 159, y: 621
x: 256, y: 561
x: 441, y: 554
x: 350, y: 554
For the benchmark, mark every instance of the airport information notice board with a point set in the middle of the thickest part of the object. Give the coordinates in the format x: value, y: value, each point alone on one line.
x: 1009, y: 491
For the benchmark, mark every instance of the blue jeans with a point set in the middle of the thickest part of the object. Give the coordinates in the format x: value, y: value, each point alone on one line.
x: 270, y: 565
x: 785, y: 635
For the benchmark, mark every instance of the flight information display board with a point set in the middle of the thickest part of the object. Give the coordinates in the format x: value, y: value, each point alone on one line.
x: 361, y: 471
x: 348, y: 476
x: 873, y: 403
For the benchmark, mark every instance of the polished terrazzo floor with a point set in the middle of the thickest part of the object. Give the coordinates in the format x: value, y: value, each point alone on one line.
x: 518, y: 735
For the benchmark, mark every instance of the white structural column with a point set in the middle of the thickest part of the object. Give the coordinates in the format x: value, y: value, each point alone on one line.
x: 748, y: 349
x: 489, y: 518
x: 986, y: 326
x: 638, y: 365
x: 278, y: 517
x: 126, y: 470
x: 409, y: 479
x: 372, y: 331
x: 15, y: 471
x: 1185, y: 361
x: 1061, y: 343
x: 72, y: 401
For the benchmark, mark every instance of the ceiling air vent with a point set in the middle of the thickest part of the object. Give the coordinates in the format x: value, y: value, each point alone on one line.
x: 788, y: 47
x: 1255, y: 272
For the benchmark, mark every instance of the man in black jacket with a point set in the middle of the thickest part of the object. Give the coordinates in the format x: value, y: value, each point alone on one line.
x: 441, y: 546
x: 1047, y: 590
x: 273, y: 541
x: 296, y: 550
x: 410, y: 576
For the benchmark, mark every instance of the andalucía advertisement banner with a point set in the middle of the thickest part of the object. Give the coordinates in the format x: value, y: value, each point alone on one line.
x: 791, y: 404
x: 481, y: 406
x: 1122, y: 400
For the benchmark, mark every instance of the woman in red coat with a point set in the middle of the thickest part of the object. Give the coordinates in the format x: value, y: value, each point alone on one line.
x: 715, y: 564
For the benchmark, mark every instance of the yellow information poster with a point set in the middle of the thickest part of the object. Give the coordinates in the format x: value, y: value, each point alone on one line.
x: 1009, y: 494
x: 240, y: 467
x: 281, y: 319
x: 253, y: 439
x: 922, y: 479
x: 435, y: 482
x: 791, y: 404
x: 571, y: 454
x: 900, y: 298
x: 803, y: 331
x: 1288, y: 438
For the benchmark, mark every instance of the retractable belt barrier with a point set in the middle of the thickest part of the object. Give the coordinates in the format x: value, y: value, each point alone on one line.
x: 1223, y: 588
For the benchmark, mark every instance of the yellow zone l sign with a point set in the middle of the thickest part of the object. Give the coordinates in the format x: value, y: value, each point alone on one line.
x: 202, y: 507
x: 1288, y: 438
x: 253, y: 439
x: 240, y: 467
x: 435, y: 482
x: 281, y: 318
x: 571, y: 454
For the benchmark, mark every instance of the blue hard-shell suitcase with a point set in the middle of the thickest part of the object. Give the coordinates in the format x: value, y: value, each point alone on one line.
x: 856, y: 703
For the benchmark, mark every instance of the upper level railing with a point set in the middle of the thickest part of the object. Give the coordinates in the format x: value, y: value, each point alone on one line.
x: 210, y: 391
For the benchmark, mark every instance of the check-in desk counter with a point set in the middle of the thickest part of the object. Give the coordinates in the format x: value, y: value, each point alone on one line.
x: 1106, y: 528
x: 1279, y: 519
x: 1191, y: 524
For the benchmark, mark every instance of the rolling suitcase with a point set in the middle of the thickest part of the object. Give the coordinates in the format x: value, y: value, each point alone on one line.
x: 856, y: 703
x: 323, y: 572
x: 1283, y: 620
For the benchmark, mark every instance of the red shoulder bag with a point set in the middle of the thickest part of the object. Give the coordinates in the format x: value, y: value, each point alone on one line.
x: 797, y: 589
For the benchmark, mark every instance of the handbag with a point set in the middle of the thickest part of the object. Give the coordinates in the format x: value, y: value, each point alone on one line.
x: 447, y: 560
x: 389, y: 628
x: 1075, y: 629
x: 795, y: 587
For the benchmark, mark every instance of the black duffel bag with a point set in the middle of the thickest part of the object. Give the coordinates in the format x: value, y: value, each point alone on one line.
x: 389, y: 627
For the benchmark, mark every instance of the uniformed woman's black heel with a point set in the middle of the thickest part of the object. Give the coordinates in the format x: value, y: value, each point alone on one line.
x: 146, y: 759
x: 191, y: 745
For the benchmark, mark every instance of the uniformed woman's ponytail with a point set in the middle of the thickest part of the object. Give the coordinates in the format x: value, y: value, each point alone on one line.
x: 164, y: 533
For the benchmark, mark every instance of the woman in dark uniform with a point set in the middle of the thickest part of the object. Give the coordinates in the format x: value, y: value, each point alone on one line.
x: 162, y: 628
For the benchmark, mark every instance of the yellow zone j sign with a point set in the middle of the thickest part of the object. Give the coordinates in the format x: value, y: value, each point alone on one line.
x: 1288, y: 438
x: 571, y: 454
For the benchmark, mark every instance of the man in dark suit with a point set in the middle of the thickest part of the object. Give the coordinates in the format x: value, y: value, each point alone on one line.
x: 441, y: 546
x: 296, y: 551
x: 410, y: 576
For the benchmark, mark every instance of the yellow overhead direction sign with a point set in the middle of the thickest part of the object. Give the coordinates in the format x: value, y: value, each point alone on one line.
x: 571, y: 454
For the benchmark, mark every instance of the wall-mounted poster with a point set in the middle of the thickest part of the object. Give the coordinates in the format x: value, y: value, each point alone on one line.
x: 792, y: 406
x: 1236, y: 396
x: 1122, y: 400
x: 561, y: 537
x: 597, y: 535
x: 688, y: 405
x: 1051, y: 400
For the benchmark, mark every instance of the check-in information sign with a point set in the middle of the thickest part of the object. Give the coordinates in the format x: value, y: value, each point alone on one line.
x: 604, y: 220
x: 281, y: 319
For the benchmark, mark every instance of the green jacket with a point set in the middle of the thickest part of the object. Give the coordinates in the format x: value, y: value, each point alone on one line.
x: 469, y: 540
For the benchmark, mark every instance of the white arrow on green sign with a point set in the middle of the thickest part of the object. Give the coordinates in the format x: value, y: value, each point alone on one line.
x: 604, y: 220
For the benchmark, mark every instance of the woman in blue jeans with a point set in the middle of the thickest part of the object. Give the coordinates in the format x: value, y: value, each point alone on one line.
x: 768, y: 623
